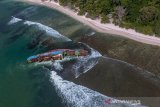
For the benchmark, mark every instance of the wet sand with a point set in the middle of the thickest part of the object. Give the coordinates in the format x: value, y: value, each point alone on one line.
x: 117, y: 79
x: 103, y: 28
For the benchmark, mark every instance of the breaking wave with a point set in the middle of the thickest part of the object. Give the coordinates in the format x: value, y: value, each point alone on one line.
x: 87, y: 62
x: 14, y: 20
x: 81, y: 64
x: 72, y: 94
x: 79, y: 96
x: 48, y: 30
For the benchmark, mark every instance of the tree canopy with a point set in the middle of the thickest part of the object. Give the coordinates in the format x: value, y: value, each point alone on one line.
x: 142, y: 15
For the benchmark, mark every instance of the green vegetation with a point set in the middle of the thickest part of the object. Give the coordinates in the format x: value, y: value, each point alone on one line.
x: 141, y: 15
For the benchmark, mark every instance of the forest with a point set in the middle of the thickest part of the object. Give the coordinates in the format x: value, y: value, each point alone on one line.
x: 141, y: 15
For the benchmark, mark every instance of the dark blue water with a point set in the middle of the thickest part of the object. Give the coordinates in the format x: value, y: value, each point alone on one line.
x: 23, y: 85
x: 27, y: 30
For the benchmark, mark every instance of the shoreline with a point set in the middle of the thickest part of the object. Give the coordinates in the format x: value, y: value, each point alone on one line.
x: 103, y: 28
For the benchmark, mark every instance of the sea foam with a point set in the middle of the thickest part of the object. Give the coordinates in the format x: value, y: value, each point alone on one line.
x: 48, y: 30
x: 82, y: 63
x: 87, y: 62
x: 79, y: 96
x: 14, y: 20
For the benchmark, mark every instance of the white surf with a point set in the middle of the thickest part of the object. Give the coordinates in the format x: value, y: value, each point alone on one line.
x: 74, y: 95
x: 14, y: 20
x: 48, y: 30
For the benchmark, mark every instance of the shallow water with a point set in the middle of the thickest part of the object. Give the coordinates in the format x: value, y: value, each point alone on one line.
x: 27, y: 30
x: 22, y: 85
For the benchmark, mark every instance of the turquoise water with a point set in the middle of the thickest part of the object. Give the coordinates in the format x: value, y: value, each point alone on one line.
x: 38, y: 29
x: 22, y: 85
x: 27, y: 30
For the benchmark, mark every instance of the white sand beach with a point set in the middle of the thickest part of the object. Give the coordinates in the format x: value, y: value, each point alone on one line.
x: 104, y: 28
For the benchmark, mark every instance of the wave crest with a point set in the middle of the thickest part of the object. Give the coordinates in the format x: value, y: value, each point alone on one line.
x: 48, y: 30
x: 14, y: 20
x: 79, y: 96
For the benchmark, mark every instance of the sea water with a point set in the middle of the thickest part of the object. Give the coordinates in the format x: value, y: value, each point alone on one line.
x: 27, y: 30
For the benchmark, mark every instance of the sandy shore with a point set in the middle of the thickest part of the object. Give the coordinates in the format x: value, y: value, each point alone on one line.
x: 104, y: 28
